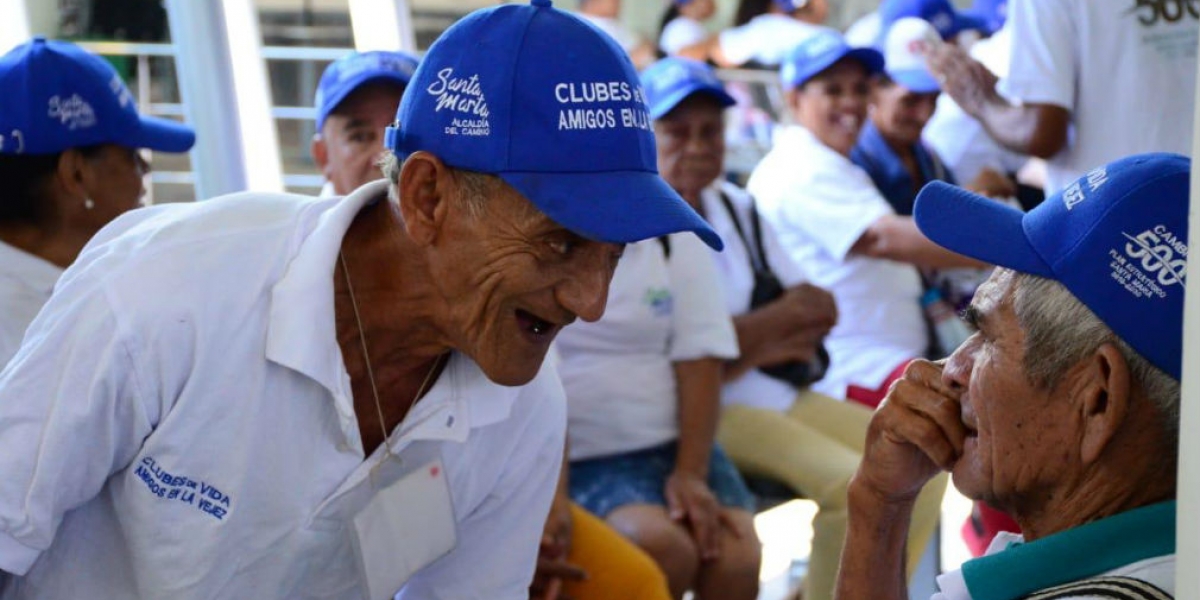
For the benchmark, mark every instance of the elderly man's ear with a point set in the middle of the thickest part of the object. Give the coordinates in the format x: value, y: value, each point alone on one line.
x: 1105, y: 401
x: 426, y: 190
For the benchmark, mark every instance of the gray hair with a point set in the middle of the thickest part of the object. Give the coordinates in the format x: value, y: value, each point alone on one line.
x: 1060, y: 331
x: 476, y: 186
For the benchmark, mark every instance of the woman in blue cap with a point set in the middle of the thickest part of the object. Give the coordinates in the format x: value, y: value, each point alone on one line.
x: 69, y: 163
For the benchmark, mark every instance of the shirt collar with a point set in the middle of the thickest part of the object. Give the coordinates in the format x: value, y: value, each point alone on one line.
x: 1074, y: 554
x: 33, y: 271
x: 302, y: 336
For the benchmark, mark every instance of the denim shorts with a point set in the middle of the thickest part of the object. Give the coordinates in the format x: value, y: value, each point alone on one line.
x: 604, y: 484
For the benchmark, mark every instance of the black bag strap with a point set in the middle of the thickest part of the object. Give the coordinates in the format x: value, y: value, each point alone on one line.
x: 758, y: 261
x: 1116, y: 587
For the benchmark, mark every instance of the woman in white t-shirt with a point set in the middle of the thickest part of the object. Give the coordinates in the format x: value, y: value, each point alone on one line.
x: 643, y: 387
x: 832, y: 220
x: 683, y: 24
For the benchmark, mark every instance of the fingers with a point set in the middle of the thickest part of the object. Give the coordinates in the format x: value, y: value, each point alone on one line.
x: 925, y: 412
x: 552, y: 568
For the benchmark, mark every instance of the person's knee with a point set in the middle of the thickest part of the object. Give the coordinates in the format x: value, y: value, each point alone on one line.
x: 733, y: 575
x: 668, y: 543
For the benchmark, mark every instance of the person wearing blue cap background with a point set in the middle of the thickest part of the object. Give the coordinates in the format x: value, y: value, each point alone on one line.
x: 835, y: 223
x: 903, y: 98
x: 356, y: 100
x: 1063, y: 410
x: 340, y: 398
x: 69, y: 162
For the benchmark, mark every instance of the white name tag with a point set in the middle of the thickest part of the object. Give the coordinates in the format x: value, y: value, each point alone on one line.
x: 406, y: 526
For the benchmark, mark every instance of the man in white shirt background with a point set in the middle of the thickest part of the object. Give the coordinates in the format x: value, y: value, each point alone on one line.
x: 1088, y: 82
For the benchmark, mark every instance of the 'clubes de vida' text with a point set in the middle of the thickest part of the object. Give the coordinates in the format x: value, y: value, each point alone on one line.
x: 597, y: 94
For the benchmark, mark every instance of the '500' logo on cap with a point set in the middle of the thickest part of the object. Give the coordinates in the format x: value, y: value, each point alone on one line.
x: 1157, y: 248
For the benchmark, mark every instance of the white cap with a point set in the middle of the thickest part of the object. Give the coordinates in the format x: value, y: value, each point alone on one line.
x: 904, y: 49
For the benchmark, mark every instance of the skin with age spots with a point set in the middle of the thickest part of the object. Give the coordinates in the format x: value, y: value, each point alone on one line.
x: 1007, y: 418
x: 523, y: 286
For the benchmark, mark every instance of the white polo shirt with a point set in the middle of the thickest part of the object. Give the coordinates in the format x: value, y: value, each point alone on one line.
x: 820, y: 204
x: 765, y: 39
x: 181, y: 425
x: 25, y: 284
x: 1126, y: 73
x: 754, y: 388
x: 617, y: 371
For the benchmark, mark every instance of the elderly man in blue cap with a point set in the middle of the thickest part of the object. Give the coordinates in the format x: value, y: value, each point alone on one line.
x: 356, y: 100
x: 1063, y: 410
x: 342, y: 398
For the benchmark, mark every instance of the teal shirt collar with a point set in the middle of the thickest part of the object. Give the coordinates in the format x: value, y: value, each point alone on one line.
x: 1074, y: 554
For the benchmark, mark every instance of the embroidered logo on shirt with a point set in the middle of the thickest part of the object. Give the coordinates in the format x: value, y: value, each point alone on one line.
x: 659, y: 300
x: 181, y: 488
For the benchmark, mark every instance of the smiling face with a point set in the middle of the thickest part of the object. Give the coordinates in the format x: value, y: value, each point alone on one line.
x: 512, y: 278
x: 900, y: 113
x: 833, y: 104
x: 691, y: 144
x: 351, y: 139
x: 1022, y: 439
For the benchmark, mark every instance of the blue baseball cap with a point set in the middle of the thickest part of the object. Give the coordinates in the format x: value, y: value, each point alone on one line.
x: 820, y: 51
x: 790, y: 5
x: 1116, y: 238
x: 346, y: 74
x: 671, y: 80
x: 940, y: 13
x: 59, y: 96
x: 904, y: 48
x: 992, y: 13
x: 552, y: 106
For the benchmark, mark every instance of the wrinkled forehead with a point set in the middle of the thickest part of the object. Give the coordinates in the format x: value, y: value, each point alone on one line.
x: 997, y: 292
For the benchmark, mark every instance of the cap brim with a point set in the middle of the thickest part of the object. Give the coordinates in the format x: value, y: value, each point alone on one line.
x: 916, y: 80
x: 668, y: 103
x: 964, y: 21
x: 871, y: 58
x: 352, y: 84
x: 978, y: 227
x: 163, y: 135
x: 617, y: 207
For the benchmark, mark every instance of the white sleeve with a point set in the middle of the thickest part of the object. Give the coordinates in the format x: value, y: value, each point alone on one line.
x: 738, y: 44
x: 498, y: 542
x: 1043, y: 66
x: 700, y: 324
x: 71, y: 415
x: 681, y: 33
x: 833, y: 209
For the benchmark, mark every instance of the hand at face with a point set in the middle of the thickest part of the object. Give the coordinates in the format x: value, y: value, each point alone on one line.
x: 917, y: 432
x: 690, y: 501
x: 965, y: 79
